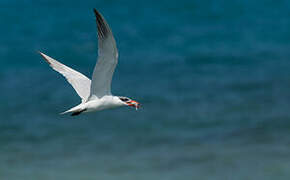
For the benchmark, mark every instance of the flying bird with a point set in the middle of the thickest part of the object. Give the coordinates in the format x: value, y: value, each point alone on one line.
x: 95, y: 94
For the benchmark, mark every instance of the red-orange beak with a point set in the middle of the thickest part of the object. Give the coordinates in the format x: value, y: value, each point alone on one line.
x: 133, y: 104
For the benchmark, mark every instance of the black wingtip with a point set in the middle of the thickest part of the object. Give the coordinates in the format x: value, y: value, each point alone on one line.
x: 95, y: 11
x: 103, y: 29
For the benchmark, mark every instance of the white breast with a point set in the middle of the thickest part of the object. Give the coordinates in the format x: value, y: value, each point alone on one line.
x: 106, y: 102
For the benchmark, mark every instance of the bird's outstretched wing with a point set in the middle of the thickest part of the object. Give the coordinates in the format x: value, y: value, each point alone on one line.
x: 79, y: 82
x: 107, y: 59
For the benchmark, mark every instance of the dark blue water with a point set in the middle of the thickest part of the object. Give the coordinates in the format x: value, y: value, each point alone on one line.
x: 213, y: 78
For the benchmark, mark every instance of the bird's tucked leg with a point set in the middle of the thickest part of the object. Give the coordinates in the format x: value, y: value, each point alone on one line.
x: 78, y: 112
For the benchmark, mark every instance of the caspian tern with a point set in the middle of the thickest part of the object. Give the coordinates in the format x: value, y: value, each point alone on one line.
x: 96, y: 93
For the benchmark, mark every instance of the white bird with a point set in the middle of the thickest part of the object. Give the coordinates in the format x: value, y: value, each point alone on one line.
x: 96, y: 93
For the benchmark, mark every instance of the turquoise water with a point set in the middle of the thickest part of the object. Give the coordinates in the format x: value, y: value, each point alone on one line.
x: 213, y: 78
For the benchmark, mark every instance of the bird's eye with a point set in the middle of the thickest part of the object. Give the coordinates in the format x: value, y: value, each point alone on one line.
x: 124, y: 99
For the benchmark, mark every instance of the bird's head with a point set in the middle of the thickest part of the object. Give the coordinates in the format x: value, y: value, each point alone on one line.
x: 129, y: 102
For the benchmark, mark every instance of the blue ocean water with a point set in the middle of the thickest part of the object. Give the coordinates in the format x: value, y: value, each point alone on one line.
x: 213, y: 78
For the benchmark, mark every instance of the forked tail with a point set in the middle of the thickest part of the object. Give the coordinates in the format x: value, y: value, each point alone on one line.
x: 75, y: 110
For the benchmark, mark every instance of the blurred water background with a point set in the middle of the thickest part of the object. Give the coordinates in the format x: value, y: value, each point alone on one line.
x: 213, y: 78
